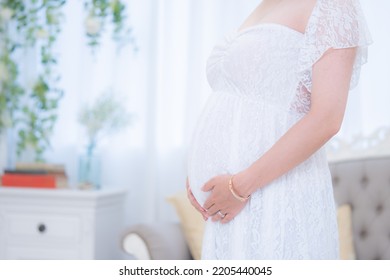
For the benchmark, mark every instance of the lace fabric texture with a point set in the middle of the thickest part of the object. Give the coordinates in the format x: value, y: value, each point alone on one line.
x: 261, y: 81
x: 334, y: 24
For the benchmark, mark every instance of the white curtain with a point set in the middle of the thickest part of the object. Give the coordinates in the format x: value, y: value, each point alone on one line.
x: 165, y: 88
x: 367, y: 109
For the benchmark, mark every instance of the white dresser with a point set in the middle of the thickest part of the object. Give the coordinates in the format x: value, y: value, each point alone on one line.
x: 60, y: 224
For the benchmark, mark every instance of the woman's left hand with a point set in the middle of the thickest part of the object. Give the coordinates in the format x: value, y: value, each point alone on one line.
x: 221, y: 204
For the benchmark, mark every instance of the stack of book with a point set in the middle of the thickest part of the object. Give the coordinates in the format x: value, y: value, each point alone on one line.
x: 35, y: 175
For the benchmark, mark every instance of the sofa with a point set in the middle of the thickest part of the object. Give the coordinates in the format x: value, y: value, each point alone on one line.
x: 362, y: 194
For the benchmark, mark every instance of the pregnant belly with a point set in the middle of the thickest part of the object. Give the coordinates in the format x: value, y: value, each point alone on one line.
x: 230, y: 135
x: 209, y: 153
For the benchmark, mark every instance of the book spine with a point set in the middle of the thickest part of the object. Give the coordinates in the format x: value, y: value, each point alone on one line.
x: 33, y: 181
x: 20, y: 166
x: 35, y: 172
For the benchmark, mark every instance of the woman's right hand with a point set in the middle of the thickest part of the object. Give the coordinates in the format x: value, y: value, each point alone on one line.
x: 195, y: 203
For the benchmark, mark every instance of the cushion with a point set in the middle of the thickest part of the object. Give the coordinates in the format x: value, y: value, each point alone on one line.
x: 191, y: 221
x: 160, y: 241
x: 344, y: 220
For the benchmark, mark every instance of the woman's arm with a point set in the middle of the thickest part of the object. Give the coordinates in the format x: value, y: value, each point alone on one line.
x: 331, y: 79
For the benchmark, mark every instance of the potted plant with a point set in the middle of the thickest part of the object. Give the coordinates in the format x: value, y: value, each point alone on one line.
x: 104, y: 117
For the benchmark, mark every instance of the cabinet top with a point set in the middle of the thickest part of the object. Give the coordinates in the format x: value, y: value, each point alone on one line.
x: 62, y: 193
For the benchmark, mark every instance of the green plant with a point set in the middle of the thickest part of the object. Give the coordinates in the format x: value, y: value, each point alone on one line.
x: 30, y: 109
x: 35, y: 25
x: 102, y: 11
x: 106, y: 116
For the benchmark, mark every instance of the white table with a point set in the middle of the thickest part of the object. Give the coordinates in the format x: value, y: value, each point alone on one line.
x: 60, y: 224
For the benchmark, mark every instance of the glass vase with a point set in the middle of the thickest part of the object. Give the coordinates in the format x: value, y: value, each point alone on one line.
x: 7, y: 149
x: 89, y: 169
x: 3, y: 153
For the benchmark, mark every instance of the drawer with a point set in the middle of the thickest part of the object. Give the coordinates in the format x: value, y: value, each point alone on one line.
x: 42, y: 226
x: 25, y: 253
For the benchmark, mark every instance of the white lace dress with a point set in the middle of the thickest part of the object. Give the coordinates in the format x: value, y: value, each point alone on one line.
x: 261, y: 81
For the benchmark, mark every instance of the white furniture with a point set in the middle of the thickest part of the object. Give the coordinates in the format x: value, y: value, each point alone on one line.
x: 60, y: 224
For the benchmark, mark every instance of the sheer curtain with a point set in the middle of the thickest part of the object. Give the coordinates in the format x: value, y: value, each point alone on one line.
x: 367, y: 108
x: 366, y: 126
x: 164, y: 87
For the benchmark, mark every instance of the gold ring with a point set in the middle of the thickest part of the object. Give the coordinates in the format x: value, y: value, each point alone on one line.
x: 220, y: 214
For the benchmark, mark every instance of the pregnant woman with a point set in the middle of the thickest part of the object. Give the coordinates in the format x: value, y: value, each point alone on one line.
x: 257, y: 168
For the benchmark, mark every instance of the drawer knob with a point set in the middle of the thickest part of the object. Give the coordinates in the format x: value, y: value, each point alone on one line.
x: 41, y: 228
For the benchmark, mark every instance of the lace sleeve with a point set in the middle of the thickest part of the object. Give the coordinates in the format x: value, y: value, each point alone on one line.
x: 334, y: 24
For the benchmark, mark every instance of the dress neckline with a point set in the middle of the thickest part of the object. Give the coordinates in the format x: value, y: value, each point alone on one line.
x: 265, y: 24
x: 238, y: 32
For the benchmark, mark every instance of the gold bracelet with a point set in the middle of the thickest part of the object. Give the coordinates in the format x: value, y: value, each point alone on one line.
x: 237, y: 196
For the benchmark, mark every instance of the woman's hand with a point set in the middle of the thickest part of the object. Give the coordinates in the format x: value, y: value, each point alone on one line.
x: 221, y: 204
x: 195, y: 203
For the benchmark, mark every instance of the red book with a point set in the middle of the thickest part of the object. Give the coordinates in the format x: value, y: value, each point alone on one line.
x: 28, y: 180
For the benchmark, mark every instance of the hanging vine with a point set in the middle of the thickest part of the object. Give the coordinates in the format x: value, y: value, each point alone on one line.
x: 31, y: 108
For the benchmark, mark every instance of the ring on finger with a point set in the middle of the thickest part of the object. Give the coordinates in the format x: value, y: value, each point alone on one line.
x: 220, y: 214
